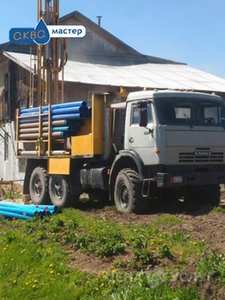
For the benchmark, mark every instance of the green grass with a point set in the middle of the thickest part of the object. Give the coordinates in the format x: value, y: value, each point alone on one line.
x: 219, y: 209
x: 34, y: 264
x: 169, y: 220
x: 39, y: 270
x: 103, y: 238
x: 160, y: 244
x: 212, y: 265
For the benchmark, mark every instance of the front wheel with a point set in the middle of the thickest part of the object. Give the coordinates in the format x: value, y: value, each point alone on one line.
x: 211, y: 194
x: 59, y: 190
x: 127, y: 192
x: 194, y: 197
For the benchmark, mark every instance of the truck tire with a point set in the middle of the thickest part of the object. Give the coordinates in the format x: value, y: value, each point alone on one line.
x: 197, y: 196
x: 127, y: 192
x: 59, y: 191
x: 191, y: 199
x: 38, y: 186
x: 211, y: 195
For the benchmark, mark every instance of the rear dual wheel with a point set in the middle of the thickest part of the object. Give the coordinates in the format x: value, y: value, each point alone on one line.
x: 44, y: 188
x: 59, y: 190
x: 38, y: 186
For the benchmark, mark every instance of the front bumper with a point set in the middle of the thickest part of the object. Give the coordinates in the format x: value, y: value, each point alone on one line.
x: 166, y: 180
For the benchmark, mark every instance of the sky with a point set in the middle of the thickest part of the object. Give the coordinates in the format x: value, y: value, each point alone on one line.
x: 189, y: 31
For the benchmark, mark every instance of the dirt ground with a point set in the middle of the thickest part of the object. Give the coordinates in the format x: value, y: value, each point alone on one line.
x: 202, y: 224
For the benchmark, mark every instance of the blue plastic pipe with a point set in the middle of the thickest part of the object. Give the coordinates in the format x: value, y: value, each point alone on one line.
x: 67, y: 110
x: 31, y: 113
x: 69, y: 104
x: 30, y: 110
x: 67, y: 117
x: 41, y: 207
x: 63, y: 117
x: 51, y: 208
x: 62, y: 128
x: 54, y: 106
x: 23, y: 211
x: 5, y: 203
x: 13, y: 215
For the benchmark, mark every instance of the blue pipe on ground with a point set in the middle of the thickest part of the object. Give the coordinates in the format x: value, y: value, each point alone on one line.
x: 22, y: 210
x: 53, y: 208
x: 14, y: 215
x: 41, y: 207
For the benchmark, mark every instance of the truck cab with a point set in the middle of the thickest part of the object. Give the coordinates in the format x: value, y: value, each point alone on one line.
x: 177, y: 142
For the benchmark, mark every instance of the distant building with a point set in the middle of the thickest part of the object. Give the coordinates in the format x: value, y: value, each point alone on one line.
x: 98, y: 62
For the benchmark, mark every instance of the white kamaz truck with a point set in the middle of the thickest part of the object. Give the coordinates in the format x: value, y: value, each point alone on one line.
x: 156, y: 143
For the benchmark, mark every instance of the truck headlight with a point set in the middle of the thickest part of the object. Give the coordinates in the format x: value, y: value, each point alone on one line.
x: 177, y: 179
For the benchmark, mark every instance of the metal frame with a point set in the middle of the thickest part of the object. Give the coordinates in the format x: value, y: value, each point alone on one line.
x: 46, y: 67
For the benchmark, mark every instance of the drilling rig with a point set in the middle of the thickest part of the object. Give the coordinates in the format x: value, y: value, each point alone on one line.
x: 46, y: 140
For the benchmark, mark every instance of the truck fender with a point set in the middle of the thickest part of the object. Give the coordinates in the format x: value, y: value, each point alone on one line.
x: 125, y: 159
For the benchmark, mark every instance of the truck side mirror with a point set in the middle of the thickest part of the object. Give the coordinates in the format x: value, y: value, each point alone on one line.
x: 143, y: 114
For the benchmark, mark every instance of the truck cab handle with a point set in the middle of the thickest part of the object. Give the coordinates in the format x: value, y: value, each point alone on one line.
x: 150, y: 131
x: 131, y: 140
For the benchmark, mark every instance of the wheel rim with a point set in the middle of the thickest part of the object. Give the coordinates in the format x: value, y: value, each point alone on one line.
x: 38, y: 186
x: 123, y: 196
x: 58, y: 188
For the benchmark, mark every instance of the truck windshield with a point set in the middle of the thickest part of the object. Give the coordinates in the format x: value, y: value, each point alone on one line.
x: 189, y: 111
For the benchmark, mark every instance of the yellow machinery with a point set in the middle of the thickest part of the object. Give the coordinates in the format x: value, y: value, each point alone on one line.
x: 45, y: 89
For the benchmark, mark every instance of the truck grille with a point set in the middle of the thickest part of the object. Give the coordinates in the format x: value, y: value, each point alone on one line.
x: 200, y: 156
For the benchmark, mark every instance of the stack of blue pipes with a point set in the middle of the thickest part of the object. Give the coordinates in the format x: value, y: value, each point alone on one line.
x: 24, y: 212
x: 66, y: 120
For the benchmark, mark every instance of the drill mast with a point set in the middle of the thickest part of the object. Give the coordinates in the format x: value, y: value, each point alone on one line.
x: 51, y: 59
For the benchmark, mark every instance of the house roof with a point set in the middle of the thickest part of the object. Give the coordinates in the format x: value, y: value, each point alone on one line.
x: 112, y: 39
x: 149, y: 75
x: 21, y: 48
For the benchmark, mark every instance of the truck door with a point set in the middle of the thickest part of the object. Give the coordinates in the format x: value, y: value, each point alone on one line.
x: 141, y: 139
